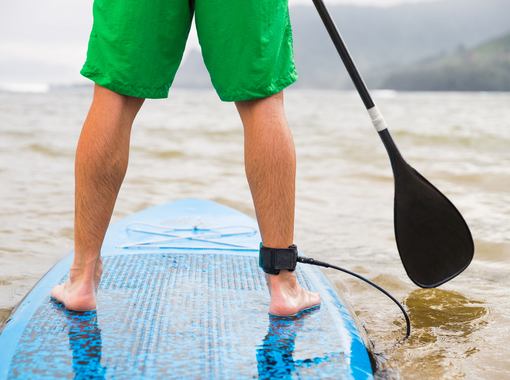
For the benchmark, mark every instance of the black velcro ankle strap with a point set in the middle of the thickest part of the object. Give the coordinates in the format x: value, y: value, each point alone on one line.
x: 272, y: 260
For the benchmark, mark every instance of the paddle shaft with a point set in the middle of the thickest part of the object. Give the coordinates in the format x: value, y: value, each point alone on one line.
x: 373, y: 111
x: 344, y: 53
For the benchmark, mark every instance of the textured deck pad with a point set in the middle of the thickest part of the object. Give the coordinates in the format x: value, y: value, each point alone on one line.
x: 179, y: 315
x: 179, y: 299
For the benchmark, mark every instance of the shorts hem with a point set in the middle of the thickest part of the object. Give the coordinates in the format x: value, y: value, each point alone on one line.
x: 257, y: 93
x: 125, y: 89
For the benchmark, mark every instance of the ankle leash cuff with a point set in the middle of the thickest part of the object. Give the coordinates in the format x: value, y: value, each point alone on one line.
x: 272, y: 260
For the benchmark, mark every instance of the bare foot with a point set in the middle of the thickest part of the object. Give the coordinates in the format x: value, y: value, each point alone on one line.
x: 287, y: 296
x: 78, y: 293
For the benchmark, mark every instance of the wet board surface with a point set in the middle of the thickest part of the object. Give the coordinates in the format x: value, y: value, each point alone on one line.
x: 182, y: 297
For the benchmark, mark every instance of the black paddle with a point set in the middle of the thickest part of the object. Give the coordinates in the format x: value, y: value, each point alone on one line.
x: 433, y: 240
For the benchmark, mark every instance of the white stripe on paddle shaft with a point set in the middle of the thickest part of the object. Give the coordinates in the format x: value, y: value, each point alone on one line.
x: 377, y: 119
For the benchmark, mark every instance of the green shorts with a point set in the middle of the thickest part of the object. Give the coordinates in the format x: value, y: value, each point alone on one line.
x: 136, y: 46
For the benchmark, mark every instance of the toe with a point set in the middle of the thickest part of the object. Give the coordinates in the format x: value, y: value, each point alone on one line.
x: 56, y: 292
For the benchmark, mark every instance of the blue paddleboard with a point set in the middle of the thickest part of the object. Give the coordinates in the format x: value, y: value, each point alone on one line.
x: 182, y: 297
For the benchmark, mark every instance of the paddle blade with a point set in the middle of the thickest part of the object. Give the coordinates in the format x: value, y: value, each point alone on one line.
x: 433, y: 239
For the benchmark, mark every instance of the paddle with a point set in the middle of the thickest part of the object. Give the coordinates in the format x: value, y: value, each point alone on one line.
x: 433, y: 240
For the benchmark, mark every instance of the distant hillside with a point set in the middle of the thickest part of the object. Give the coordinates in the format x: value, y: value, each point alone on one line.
x: 379, y: 39
x: 483, y: 68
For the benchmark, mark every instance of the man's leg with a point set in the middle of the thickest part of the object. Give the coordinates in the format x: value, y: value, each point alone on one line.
x: 270, y: 161
x: 101, y: 163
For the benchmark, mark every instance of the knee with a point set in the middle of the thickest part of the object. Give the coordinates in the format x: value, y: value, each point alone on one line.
x: 114, y: 98
x: 272, y: 104
x: 278, y: 97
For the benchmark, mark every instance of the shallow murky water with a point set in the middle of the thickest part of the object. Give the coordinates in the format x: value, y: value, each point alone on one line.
x: 191, y: 146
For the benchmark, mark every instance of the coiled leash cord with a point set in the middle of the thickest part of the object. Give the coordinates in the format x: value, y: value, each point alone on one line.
x: 309, y: 260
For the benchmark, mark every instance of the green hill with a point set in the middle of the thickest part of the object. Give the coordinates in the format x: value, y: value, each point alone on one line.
x: 483, y: 68
x: 383, y: 39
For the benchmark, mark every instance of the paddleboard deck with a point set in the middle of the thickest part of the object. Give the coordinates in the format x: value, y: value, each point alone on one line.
x: 182, y: 296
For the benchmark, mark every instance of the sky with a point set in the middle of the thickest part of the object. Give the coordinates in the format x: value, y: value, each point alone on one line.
x: 51, y: 37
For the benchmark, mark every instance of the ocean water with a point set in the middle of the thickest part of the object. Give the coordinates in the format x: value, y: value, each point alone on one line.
x: 191, y: 145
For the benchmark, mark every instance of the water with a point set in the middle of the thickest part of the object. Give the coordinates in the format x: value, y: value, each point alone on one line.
x: 191, y: 146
